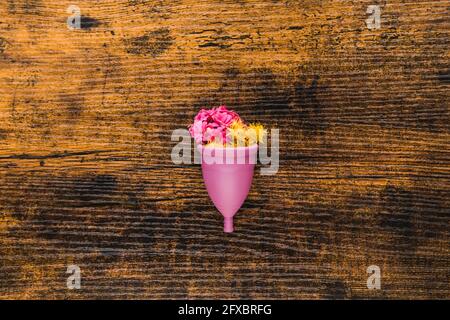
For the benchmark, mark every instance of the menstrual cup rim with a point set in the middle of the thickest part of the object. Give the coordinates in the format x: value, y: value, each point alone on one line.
x: 253, y: 146
x: 238, y: 152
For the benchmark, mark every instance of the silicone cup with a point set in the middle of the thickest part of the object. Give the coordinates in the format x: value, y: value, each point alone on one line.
x: 228, y: 175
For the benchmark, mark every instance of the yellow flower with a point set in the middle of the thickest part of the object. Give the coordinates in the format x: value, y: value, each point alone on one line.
x: 256, y: 133
x: 236, y: 134
x: 241, y: 135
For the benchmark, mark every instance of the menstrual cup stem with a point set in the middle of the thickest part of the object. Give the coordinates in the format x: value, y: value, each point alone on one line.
x: 228, y: 225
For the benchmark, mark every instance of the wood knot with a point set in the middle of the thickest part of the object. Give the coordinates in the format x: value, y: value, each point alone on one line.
x: 153, y: 43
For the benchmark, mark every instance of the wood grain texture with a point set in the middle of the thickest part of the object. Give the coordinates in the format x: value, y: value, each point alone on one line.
x: 86, y: 175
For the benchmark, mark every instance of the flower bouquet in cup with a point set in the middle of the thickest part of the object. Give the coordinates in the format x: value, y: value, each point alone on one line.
x: 228, y: 148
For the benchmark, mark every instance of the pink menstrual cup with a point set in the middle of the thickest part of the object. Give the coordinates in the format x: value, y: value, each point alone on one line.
x: 228, y: 175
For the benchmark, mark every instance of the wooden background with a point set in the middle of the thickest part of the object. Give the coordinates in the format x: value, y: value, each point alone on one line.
x: 86, y: 176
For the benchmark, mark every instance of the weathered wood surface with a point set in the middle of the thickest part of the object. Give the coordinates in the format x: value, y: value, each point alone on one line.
x: 85, y: 170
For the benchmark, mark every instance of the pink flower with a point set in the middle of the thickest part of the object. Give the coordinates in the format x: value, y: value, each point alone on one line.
x: 212, y: 134
x: 223, y: 116
x: 196, y: 130
x: 202, y: 115
x: 211, y: 125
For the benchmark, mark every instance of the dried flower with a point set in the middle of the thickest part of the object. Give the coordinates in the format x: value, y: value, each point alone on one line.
x: 222, y: 127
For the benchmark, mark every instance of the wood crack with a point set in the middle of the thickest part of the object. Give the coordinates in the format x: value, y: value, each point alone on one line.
x: 25, y: 156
